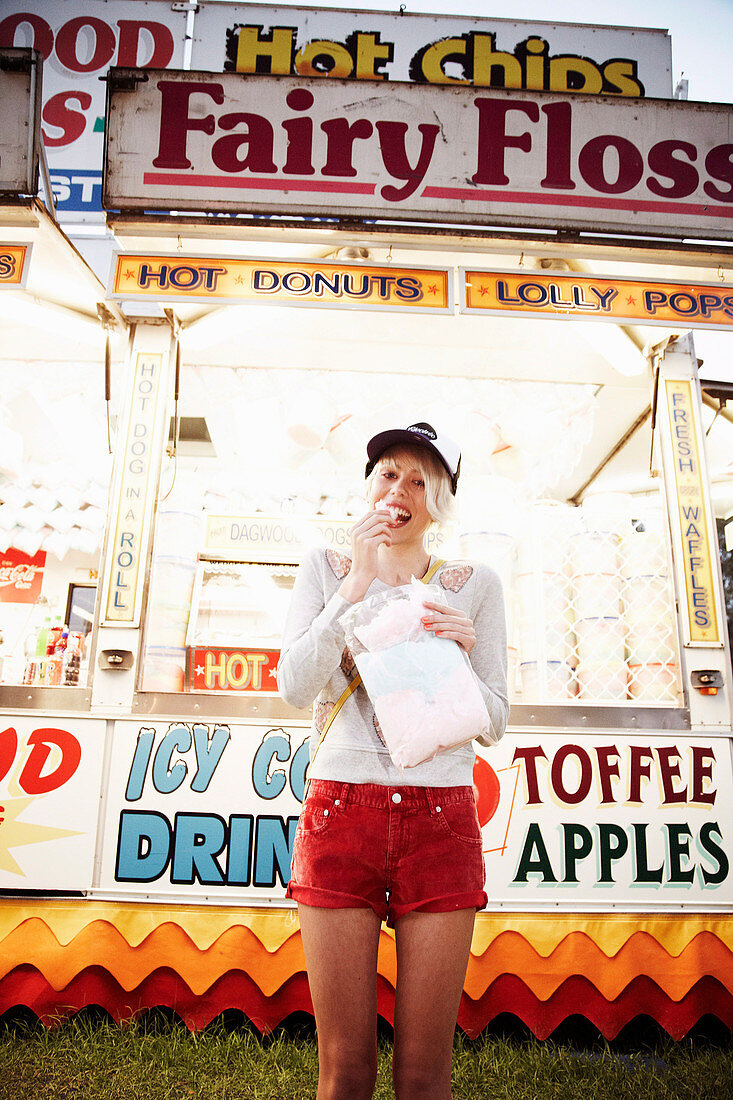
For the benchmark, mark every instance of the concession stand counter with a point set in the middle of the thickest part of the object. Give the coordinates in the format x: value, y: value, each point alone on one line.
x: 280, y: 314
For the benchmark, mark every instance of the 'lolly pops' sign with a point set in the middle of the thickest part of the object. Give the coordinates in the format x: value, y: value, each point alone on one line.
x: 589, y: 298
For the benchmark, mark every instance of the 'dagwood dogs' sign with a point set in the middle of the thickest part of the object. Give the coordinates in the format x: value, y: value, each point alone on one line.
x: 197, y: 141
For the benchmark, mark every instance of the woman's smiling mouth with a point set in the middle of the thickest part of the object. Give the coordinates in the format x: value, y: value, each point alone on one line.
x: 399, y: 516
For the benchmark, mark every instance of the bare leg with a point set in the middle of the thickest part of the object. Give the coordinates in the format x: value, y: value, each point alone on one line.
x: 340, y: 948
x: 432, y: 957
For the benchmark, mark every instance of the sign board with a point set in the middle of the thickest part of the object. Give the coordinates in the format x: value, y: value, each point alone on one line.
x: 328, y: 148
x: 21, y: 575
x: 209, y: 809
x: 282, y: 540
x: 431, y: 49
x: 694, y: 535
x: 14, y: 265
x: 630, y: 821
x: 218, y: 668
x: 275, y: 282
x: 20, y: 134
x: 78, y: 41
x: 50, y: 788
x: 203, y: 808
x: 589, y: 298
x: 126, y: 564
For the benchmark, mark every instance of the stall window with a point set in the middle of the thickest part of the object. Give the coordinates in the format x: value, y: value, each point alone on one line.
x: 54, y: 477
x: 80, y: 607
x: 590, y: 608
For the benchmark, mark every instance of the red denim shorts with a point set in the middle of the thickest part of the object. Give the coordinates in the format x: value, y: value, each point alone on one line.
x: 391, y: 849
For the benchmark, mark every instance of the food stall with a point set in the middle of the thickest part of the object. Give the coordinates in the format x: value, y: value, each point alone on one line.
x: 289, y: 290
x: 60, y: 353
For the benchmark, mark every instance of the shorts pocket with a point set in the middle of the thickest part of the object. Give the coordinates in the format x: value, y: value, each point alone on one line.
x: 317, y: 814
x: 460, y: 821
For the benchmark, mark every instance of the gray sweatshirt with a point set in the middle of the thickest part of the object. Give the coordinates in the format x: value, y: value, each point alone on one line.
x: 316, y: 666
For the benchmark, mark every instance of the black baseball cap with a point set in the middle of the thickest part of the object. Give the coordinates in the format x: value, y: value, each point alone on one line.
x: 422, y: 435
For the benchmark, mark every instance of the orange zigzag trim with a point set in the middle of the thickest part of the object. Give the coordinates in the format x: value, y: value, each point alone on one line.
x: 608, y: 931
x: 510, y: 953
x: 273, y: 926
x: 238, y: 949
x: 203, y: 924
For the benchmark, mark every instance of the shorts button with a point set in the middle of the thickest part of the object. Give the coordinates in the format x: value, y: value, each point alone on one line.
x: 337, y: 802
x: 325, y: 813
x: 397, y: 797
x: 437, y: 809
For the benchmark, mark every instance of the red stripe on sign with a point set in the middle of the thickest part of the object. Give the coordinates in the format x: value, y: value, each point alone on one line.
x: 482, y: 195
x: 174, y: 180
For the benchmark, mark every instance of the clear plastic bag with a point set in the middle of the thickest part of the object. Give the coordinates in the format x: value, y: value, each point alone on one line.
x: 422, y: 687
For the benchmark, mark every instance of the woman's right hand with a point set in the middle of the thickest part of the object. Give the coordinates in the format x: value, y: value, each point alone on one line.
x: 367, y: 535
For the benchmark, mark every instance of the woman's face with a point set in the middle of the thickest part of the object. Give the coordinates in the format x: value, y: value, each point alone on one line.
x: 399, y: 486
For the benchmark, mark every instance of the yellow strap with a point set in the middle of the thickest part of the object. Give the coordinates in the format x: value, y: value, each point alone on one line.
x: 432, y: 571
x: 337, y: 707
x: 348, y: 691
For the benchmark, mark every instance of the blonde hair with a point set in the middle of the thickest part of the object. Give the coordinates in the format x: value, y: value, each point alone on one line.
x: 439, y: 500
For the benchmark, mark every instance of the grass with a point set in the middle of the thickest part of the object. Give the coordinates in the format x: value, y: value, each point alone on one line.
x: 92, y: 1058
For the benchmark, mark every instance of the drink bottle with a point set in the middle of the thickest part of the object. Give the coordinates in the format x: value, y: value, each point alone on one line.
x: 57, y: 658
x: 42, y: 638
x: 53, y: 635
x: 50, y: 666
x: 72, y: 658
x: 35, y: 668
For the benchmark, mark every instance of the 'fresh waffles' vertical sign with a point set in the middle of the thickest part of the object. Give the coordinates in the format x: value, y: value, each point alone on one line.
x: 701, y: 622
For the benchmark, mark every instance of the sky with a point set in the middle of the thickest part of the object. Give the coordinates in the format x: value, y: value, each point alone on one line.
x: 701, y: 30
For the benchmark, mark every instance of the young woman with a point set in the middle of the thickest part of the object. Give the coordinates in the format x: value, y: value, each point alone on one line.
x: 375, y: 842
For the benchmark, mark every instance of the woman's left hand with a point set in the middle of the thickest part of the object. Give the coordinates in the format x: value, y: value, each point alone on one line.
x: 450, y: 622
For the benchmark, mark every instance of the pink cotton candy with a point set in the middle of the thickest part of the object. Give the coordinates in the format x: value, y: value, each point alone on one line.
x: 395, y: 622
x: 402, y: 714
x: 391, y: 617
x: 417, y: 726
x: 422, y: 687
